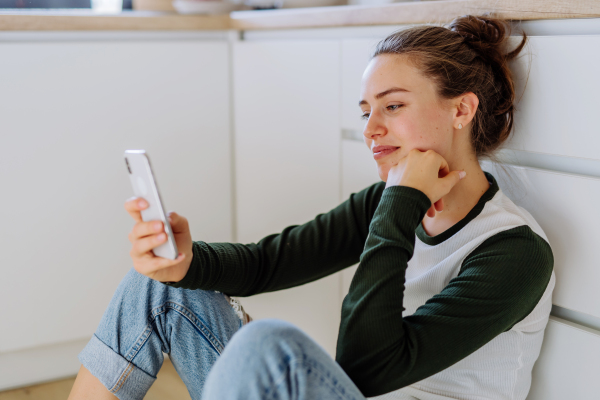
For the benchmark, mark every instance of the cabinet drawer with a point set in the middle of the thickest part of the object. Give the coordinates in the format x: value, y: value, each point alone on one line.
x: 568, y: 364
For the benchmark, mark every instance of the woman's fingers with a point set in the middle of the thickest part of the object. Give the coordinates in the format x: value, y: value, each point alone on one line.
x: 426, y: 171
x: 152, y: 265
x: 431, y: 212
x: 144, y: 245
x: 142, y: 229
x: 452, y: 179
x: 134, y: 206
x: 446, y: 180
x: 444, y: 169
x: 146, y: 236
x: 161, y: 263
x: 156, y: 264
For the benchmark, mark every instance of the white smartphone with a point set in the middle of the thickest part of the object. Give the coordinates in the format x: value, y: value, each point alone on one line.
x: 144, y: 185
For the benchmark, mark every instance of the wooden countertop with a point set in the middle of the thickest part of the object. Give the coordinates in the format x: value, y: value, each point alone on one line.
x: 438, y: 11
x: 414, y: 12
x: 88, y: 20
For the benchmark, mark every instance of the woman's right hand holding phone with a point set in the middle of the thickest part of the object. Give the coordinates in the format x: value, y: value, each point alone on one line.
x: 145, y: 236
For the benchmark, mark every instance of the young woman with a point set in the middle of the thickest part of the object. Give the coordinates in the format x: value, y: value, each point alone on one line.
x: 453, y: 290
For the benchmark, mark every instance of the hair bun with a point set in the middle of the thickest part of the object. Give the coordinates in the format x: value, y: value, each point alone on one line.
x: 487, y: 36
x: 479, y: 29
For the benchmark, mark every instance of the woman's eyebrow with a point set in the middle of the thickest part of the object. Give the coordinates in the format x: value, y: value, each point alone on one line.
x: 385, y: 93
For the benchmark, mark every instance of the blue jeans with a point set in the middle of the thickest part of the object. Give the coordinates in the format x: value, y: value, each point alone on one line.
x: 216, y: 356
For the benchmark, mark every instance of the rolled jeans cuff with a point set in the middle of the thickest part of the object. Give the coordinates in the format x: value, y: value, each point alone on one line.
x: 119, y: 376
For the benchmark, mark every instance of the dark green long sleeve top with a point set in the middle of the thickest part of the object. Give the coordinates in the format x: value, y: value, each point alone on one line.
x: 499, y: 283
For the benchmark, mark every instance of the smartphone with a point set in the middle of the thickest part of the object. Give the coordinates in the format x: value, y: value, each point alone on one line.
x: 144, y: 185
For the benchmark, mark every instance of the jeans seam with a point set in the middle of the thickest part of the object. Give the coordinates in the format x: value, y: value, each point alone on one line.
x: 122, y: 378
x: 281, y: 379
x: 139, y: 343
x: 193, y: 318
x: 331, y: 385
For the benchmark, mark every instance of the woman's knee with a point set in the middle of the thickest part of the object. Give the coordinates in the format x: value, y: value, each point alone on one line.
x: 267, y: 335
x: 134, y: 283
x: 130, y: 304
x: 274, y: 328
x: 138, y: 292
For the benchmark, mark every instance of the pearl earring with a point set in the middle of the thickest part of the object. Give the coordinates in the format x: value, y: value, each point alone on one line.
x: 459, y: 126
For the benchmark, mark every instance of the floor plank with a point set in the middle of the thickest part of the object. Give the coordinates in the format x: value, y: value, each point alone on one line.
x: 168, y: 386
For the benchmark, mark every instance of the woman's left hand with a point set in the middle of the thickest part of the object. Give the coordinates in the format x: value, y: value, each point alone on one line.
x: 428, y: 172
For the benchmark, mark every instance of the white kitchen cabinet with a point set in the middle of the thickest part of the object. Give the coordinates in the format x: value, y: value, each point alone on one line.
x: 558, y: 112
x: 287, y: 163
x: 68, y: 111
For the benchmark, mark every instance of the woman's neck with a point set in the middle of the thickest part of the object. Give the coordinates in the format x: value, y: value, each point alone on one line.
x: 461, y: 199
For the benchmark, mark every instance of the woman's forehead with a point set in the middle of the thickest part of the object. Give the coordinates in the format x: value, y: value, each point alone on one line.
x: 388, y: 71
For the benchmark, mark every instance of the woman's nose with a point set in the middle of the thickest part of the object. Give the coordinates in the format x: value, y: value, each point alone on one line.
x: 374, y: 127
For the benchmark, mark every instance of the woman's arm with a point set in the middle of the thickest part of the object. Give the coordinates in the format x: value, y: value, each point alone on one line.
x: 298, y: 255
x: 498, y: 285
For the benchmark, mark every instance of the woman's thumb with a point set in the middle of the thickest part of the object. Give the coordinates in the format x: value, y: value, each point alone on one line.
x: 453, y: 177
x: 174, y: 219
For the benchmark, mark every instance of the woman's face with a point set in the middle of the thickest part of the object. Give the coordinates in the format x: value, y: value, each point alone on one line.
x: 402, y: 111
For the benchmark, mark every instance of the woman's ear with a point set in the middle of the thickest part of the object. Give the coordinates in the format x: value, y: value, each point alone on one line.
x: 466, y: 106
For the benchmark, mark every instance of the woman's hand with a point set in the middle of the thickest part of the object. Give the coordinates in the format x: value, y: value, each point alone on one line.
x: 145, y: 236
x: 428, y: 172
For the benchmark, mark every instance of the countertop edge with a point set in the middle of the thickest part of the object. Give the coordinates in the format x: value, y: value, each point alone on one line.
x: 128, y: 22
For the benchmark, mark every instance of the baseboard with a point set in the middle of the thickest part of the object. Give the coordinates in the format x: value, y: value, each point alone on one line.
x: 40, y: 364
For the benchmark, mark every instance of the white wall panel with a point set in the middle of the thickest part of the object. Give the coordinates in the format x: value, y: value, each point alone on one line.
x: 568, y: 365
x: 288, y: 163
x: 68, y: 111
x: 565, y: 207
x: 558, y: 113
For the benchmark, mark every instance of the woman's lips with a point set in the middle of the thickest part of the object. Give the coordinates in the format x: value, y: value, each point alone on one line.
x: 382, y: 151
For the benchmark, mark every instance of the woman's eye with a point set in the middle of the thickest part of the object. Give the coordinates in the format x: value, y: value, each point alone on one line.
x: 393, y: 107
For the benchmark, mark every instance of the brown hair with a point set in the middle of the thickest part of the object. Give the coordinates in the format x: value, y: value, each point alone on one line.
x: 467, y: 56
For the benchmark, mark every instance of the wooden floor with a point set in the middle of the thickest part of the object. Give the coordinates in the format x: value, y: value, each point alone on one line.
x: 168, y: 386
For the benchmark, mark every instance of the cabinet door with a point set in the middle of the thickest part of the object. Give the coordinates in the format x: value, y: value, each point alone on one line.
x: 69, y: 110
x: 287, y: 163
